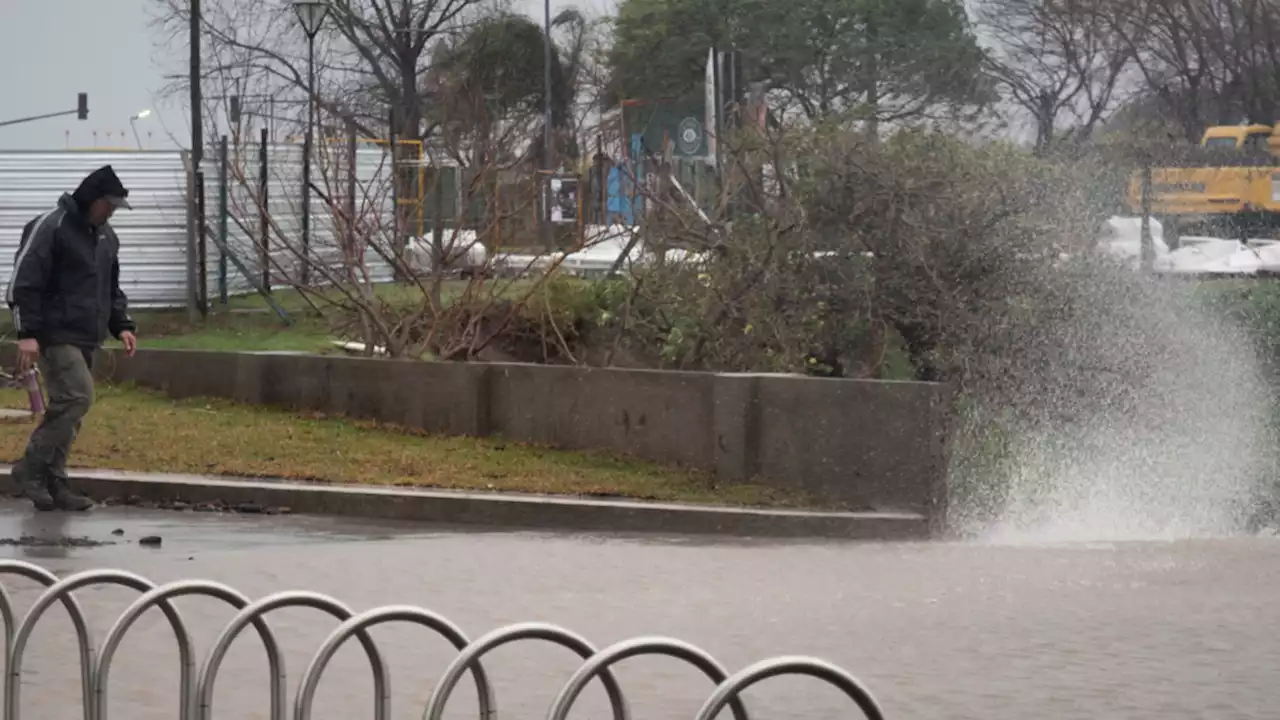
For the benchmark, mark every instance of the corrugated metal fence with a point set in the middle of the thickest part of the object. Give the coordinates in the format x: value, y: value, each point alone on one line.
x: 332, y: 246
x: 154, y: 236
x: 153, y: 252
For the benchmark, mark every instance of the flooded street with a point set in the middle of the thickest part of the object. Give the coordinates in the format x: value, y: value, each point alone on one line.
x: 957, y: 631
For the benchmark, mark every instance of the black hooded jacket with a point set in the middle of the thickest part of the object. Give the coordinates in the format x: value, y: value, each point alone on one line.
x: 65, y: 286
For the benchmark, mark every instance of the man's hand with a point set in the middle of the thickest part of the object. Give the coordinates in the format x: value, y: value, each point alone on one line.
x: 130, y: 342
x: 28, y: 353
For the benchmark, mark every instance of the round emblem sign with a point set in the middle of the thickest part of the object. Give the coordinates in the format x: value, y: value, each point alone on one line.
x: 689, y: 137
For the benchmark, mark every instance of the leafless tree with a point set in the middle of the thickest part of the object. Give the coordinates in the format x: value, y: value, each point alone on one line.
x: 458, y: 287
x: 456, y: 293
x: 1204, y: 62
x: 1058, y: 61
x: 374, y: 54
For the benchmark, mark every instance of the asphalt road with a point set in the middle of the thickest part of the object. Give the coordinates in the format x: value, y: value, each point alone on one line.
x: 956, y: 631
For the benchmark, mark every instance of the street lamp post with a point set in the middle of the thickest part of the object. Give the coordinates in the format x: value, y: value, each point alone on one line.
x: 133, y: 123
x: 311, y: 15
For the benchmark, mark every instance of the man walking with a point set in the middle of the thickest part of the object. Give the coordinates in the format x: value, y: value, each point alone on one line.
x: 65, y: 296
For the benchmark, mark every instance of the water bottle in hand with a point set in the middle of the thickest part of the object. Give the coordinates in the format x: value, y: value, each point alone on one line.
x: 32, y: 384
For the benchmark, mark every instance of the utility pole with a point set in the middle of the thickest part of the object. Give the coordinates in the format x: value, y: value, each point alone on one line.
x: 547, y: 142
x: 197, y: 101
x: 307, y: 145
x: 197, y: 159
x: 264, y: 216
x: 223, y: 211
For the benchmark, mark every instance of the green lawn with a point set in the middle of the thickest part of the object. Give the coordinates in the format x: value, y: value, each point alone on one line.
x: 245, y: 323
x: 139, y: 430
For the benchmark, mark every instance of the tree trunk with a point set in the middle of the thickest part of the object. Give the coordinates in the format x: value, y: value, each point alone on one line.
x: 920, y: 348
x: 872, y: 78
x: 408, y: 133
x: 1044, y: 123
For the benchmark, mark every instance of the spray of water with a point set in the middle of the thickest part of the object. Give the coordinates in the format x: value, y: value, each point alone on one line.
x: 1131, y: 412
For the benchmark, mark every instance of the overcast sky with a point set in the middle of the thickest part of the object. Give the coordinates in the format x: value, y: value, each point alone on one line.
x: 52, y: 49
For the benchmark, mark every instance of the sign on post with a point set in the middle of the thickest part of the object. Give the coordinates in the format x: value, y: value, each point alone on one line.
x: 564, y: 200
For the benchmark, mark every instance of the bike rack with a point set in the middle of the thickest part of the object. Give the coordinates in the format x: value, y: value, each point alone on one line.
x: 470, y: 657
x: 161, y: 595
x: 599, y: 663
x: 377, y: 616
x: 12, y: 679
x: 254, y: 612
x: 196, y: 688
x: 730, y: 690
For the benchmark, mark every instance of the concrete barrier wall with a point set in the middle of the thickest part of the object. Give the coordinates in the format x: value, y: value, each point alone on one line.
x: 858, y: 444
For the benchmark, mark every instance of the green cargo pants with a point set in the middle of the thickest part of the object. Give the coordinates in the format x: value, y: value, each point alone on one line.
x: 69, y: 382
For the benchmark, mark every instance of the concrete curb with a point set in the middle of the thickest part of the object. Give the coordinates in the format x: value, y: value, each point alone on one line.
x: 504, y: 510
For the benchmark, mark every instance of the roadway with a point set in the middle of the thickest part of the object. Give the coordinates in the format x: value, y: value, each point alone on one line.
x: 1129, y: 631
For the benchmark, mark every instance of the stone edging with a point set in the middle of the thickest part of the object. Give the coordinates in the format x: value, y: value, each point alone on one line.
x: 504, y: 510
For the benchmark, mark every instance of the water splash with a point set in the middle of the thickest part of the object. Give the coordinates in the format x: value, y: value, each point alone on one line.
x: 1126, y: 484
x: 1132, y: 413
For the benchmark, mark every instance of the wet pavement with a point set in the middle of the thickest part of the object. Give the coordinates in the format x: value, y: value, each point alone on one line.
x: 939, y: 631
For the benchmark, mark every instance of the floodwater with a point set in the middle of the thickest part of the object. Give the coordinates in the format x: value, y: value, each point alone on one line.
x: 1134, y: 630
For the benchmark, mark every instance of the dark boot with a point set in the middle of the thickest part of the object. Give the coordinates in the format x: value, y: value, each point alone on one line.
x: 67, y: 499
x: 33, y: 489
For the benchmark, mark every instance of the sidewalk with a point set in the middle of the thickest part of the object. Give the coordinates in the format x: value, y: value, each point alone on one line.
x: 508, y: 510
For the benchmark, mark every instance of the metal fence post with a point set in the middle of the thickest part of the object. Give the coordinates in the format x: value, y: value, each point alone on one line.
x: 193, y: 275
x: 351, y: 205
x: 222, y: 220
x: 397, y: 227
x: 202, y: 286
x: 264, y: 215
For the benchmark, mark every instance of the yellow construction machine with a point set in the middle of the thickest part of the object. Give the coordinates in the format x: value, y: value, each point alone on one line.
x: 1234, y: 192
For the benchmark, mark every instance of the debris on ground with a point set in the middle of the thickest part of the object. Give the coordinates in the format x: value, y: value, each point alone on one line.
x: 217, y: 506
x: 59, y: 541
